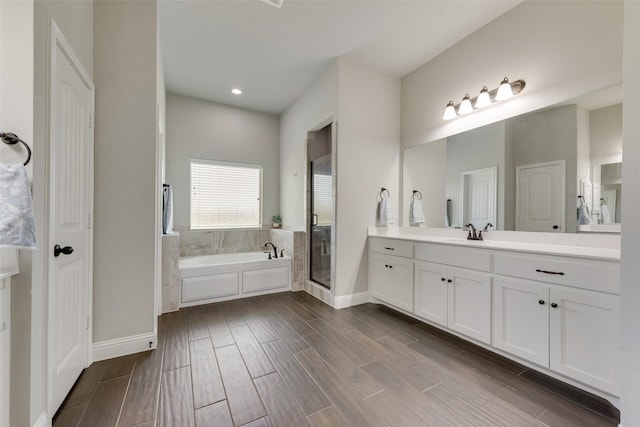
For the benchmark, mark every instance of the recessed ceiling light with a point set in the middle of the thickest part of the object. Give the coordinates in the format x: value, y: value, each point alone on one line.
x: 236, y: 91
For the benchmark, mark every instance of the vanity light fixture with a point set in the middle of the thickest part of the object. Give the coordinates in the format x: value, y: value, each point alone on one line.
x: 486, y: 97
x: 236, y: 91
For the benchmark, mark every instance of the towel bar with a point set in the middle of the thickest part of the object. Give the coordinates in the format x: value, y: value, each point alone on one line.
x: 11, y: 139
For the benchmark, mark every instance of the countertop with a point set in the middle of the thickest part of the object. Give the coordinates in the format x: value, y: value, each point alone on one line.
x: 602, y: 247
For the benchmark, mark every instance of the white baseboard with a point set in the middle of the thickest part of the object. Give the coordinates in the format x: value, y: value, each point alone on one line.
x: 123, y: 346
x: 42, y: 421
x: 349, y: 300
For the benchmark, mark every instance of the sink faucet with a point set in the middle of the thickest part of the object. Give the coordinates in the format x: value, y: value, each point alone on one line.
x: 275, y: 250
x: 485, y: 229
x: 472, y: 232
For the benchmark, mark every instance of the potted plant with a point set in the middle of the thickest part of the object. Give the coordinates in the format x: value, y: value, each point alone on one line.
x: 277, y: 221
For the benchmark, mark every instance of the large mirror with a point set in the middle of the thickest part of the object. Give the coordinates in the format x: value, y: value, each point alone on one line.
x: 525, y: 173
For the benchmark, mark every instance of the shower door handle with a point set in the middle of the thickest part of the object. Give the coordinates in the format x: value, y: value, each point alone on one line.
x: 314, y: 220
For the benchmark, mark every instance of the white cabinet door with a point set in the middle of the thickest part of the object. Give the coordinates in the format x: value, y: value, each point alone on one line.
x: 584, y: 337
x: 521, y: 319
x: 379, y: 277
x: 431, y: 292
x: 402, y: 279
x: 469, y: 308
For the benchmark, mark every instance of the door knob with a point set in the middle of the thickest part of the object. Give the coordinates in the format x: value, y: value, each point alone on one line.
x: 57, y: 250
x: 555, y: 227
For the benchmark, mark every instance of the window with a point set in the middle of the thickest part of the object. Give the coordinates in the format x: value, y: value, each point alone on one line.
x: 225, y: 195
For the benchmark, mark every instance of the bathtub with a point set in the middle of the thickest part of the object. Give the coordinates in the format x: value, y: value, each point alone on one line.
x: 212, y: 278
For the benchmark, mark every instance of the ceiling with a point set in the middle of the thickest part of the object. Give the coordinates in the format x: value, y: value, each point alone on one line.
x: 274, y: 54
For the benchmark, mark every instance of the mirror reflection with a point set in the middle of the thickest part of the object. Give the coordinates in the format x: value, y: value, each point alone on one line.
x: 525, y: 173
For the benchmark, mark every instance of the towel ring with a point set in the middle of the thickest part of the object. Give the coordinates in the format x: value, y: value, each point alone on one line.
x: 419, y: 193
x: 11, y: 139
x: 382, y: 190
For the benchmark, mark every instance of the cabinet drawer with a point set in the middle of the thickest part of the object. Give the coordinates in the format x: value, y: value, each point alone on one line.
x: 475, y: 259
x: 592, y: 274
x: 392, y: 247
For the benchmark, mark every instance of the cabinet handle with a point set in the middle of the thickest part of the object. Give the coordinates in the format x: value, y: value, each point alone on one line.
x: 391, y: 266
x: 386, y: 266
x: 554, y: 305
x: 389, y: 249
x: 541, y: 302
x: 559, y: 273
x: 449, y: 281
x: 443, y: 279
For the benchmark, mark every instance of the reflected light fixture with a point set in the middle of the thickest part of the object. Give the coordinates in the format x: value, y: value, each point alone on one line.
x: 485, y: 98
x: 236, y: 91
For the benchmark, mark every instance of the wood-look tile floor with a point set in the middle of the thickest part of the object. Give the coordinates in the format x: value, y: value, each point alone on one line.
x: 289, y: 360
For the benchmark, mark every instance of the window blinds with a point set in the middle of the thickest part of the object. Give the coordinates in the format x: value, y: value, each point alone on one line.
x: 225, y: 195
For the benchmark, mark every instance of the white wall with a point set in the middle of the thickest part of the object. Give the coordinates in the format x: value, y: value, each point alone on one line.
x: 606, y: 137
x: 314, y: 109
x: 630, y: 291
x: 206, y: 130
x: 541, y: 42
x: 425, y: 169
x: 368, y: 158
x: 125, y: 169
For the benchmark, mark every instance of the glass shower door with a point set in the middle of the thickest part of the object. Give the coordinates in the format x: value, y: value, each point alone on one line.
x: 321, y: 213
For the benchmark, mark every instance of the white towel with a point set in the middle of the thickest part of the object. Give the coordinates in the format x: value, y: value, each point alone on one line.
x: 583, y: 212
x: 385, y: 216
x: 167, y: 209
x: 606, y: 216
x: 416, y: 214
x: 17, y: 221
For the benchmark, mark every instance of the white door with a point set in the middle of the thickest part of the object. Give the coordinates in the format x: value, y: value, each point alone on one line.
x: 479, y: 197
x: 469, y: 309
x: 70, y: 204
x: 402, y: 277
x: 431, y: 292
x: 521, y: 319
x: 540, y: 197
x: 584, y: 337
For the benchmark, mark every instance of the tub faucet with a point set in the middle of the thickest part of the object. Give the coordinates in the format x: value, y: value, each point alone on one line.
x: 275, y: 250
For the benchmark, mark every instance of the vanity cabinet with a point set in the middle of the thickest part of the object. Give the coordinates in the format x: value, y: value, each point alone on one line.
x: 391, y: 276
x: 457, y: 298
x: 569, y: 330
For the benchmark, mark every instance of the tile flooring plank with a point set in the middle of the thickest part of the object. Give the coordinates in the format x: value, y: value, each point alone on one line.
x: 342, y: 394
x: 244, y: 401
x: 215, y: 415
x: 359, y: 355
x: 197, y: 321
x: 329, y: 417
x: 293, y: 320
x: 232, y: 312
x: 262, y: 422
x: 85, y: 385
x: 328, y: 314
x: 104, y: 407
x: 176, y: 397
x: 205, y: 376
x: 69, y: 417
x: 506, y: 415
x: 150, y: 423
x: 344, y: 366
x: 218, y: 327
x: 259, y: 324
x: 473, y: 416
x: 257, y: 362
x: 176, y: 349
x: 119, y: 367
x: 302, y: 386
x: 387, y: 406
x: 280, y: 404
x: 292, y: 304
x: 364, y: 315
x: 574, y: 416
x: 141, y: 403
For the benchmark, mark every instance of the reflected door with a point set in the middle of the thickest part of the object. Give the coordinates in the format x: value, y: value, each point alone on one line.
x: 321, y: 214
x: 540, y: 197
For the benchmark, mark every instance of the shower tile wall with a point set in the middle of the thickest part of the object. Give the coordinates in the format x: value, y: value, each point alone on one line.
x: 222, y: 241
x: 293, y: 243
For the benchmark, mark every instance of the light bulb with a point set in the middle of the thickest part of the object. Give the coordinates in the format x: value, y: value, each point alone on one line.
x: 504, y: 90
x: 465, y: 105
x: 450, y: 112
x: 484, y: 99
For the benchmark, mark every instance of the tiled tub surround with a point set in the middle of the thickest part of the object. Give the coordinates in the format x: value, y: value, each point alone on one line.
x: 210, y: 242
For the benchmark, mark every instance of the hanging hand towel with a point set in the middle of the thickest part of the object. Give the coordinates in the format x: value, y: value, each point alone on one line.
x: 17, y: 221
x: 583, y: 212
x: 385, y: 216
x: 167, y: 209
x: 606, y: 215
x: 416, y: 214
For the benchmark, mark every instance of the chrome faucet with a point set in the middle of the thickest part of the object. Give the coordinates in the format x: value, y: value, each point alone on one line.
x: 275, y: 250
x: 472, y: 232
